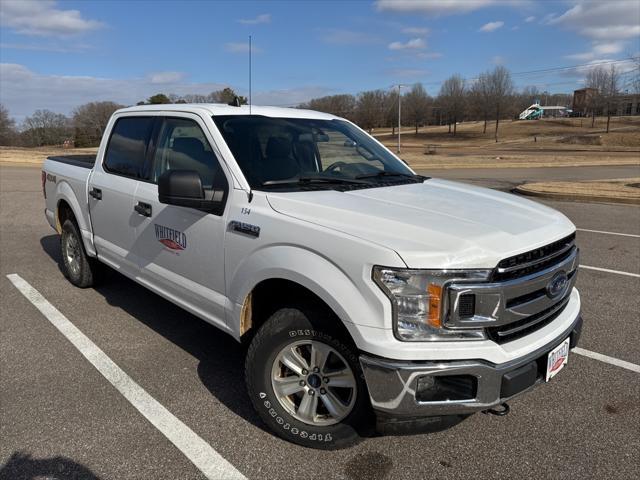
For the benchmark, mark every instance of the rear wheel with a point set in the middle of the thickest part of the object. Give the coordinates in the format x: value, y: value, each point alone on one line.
x: 78, y: 268
x: 305, y: 380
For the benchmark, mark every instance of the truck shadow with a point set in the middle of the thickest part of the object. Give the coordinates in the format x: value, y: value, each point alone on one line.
x: 221, y: 358
x: 22, y: 466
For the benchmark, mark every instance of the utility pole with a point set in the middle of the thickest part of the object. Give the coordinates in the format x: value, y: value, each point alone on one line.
x: 399, y: 113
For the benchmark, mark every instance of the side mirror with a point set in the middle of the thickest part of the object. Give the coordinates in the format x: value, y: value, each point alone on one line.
x: 183, y: 188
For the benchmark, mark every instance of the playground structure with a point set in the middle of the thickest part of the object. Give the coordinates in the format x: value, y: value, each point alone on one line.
x: 536, y: 111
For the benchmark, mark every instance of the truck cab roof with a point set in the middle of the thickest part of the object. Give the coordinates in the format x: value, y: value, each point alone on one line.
x: 215, y: 109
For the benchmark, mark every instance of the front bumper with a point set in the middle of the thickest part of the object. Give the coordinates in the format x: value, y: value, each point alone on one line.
x: 403, y: 389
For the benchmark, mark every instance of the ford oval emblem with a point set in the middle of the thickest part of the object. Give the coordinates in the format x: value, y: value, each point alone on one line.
x: 557, y: 285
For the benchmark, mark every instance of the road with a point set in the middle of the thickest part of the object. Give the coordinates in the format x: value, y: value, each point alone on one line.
x: 60, y: 418
x: 509, y: 178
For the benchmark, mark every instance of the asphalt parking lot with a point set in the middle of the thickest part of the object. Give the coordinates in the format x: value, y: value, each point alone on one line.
x: 60, y: 418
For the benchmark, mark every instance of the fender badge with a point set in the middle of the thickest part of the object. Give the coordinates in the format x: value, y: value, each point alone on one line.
x: 245, y: 228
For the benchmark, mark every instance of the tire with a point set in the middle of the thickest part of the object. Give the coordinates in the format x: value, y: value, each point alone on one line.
x: 340, y: 415
x: 81, y: 270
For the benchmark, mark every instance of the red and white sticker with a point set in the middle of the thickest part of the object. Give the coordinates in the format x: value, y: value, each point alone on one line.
x: 557, y: 359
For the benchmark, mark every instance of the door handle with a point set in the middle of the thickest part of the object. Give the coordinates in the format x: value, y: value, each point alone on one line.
x: 143, y: 209
x: 96, y: 193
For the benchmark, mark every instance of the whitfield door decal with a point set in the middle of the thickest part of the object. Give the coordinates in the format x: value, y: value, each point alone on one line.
x: 171, y: 238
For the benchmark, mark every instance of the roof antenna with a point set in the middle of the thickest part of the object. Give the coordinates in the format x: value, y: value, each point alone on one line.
x: 250, y: 75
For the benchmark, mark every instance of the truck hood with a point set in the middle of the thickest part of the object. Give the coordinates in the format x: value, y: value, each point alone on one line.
x: 435, y: 224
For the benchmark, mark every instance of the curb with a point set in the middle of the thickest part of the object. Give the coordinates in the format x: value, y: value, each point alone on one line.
x: 575, y: 197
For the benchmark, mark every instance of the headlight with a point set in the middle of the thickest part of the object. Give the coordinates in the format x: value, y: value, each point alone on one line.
x: 418, y: 303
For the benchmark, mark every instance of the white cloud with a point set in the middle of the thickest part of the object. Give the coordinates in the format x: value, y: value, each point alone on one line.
x: 30, y: 17
x: 598, y: 50
x: 263, y: 18
x: 622, y: 67
x: 162, y: 78
x: 613, y: 20
x: 241, y: 47
x: 415, y: 30
x: 335, y: 36
x: 75, y: 47
x: 23, y: 91
x: 443, y: 7
x: 491, y: 26
x: 498, y: 60
x: 530, y: 19
x: 413, y: 44
x: 408, y: 72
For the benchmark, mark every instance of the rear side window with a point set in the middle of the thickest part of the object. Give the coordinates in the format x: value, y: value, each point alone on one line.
x: 128, y: 145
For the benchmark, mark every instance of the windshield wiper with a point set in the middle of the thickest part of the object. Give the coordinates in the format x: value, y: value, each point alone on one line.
x: 384, y: 173
x: 311, y: 179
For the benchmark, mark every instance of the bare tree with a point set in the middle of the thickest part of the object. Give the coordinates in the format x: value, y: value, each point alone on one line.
x: 480, y: 96
x: 611, y: 91
x: 597, y: 79
x: 501, y: 90
x: 45, y: 127
x: 391, y: 110
x: 606, y: 84
x: 7, y: 127
x: 370, y: 109
x: 453, y: 100
x: 415, y: 105
x: 90, y: 121
x: 340, y: 105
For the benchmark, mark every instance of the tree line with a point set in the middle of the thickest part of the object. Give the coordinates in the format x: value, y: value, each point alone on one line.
x: 491, y: 97
x: 86, y: 124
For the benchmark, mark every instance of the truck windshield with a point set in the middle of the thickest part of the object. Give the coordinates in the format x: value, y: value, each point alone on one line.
x: 292, y: 153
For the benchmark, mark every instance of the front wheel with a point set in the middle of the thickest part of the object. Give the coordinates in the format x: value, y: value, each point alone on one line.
x: 305, y: 381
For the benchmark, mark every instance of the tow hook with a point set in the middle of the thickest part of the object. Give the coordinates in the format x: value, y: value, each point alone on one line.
x: 501, y: 411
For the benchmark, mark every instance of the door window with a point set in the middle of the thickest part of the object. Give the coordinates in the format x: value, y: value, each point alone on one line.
x: 183, y: 146
x: 128, y: 145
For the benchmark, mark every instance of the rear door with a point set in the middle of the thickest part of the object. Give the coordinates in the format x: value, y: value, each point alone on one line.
x: 112, y: 188
x: 181, y: 249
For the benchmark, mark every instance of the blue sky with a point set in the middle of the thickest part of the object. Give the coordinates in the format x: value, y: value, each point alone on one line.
x: 60, y: 54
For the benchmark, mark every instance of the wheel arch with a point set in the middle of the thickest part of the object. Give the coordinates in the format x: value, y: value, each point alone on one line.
x: 293, y: 275
x: 68, y: 207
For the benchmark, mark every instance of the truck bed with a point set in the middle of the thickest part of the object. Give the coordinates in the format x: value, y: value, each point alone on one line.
x: 84, y: 161
x: 66, y: 179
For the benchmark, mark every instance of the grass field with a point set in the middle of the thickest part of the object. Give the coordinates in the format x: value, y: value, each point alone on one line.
x: 535, y: 143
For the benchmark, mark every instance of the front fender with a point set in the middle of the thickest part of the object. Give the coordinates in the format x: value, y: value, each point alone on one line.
x: 352, y: 296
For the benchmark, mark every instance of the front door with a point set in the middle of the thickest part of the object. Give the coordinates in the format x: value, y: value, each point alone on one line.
x: 181, y: 249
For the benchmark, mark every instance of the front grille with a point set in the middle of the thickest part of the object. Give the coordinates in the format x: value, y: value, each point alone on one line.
x: 534, y: 260
x: 521, y: 328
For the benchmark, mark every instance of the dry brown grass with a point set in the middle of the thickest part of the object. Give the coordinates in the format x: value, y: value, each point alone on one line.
x: 35, y: 156
x: 623, y: 190
x: 624, y: 132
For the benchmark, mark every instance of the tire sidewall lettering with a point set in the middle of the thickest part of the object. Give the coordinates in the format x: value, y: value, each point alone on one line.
x: 305, y: 435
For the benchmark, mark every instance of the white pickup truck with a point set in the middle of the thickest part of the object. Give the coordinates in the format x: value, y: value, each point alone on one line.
x: 369, y: 297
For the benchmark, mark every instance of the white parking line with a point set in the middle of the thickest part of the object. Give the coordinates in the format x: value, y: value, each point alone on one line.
x: 606, y: 359
x: 608, y: 233
x: 618, y: 272
x: 201, y: 454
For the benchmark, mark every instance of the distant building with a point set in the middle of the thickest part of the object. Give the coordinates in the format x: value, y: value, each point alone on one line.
x: 623, y: 104
x: 582, y: 100
x: 627, y: 104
